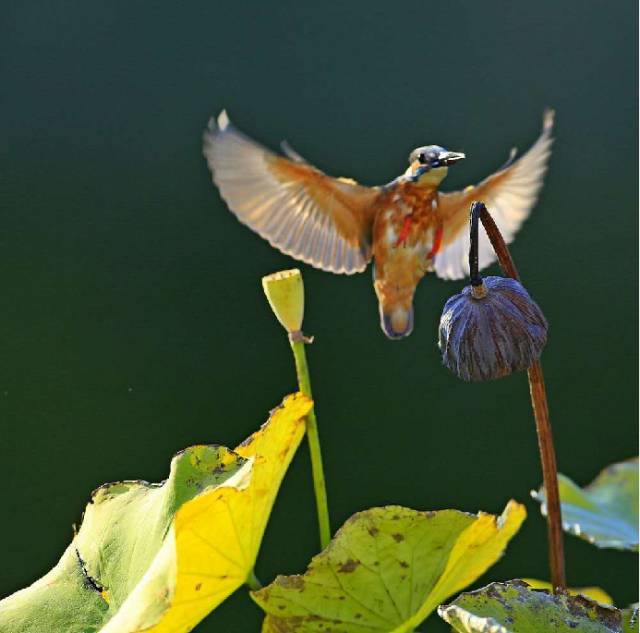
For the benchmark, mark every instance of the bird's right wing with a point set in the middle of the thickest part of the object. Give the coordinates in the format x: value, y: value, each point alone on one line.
x: 323, y: 221
x: 509, y: 195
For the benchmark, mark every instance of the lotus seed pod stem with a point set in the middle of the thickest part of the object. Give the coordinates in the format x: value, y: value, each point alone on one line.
x: 541, y: 414
x: 285, y: 293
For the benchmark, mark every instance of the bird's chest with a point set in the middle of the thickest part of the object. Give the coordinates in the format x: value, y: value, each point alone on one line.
x: 406, y: 224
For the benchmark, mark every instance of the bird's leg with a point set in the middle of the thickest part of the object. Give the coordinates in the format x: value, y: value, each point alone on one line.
x: 405, y: 230
x: 437, y: 241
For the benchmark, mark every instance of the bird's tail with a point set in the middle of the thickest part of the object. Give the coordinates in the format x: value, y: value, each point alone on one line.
x: 396, y: 322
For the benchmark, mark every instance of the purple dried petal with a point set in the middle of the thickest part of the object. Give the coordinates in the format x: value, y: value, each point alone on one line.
x: 488, y: 338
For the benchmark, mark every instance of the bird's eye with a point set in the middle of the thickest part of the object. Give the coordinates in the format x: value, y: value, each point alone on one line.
x: 422, y: 159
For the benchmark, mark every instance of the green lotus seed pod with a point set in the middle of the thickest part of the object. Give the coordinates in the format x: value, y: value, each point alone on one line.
x: 285, y: 293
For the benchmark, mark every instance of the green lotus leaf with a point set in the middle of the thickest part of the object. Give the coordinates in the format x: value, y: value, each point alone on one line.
x: 159, y: 557
x: 604, y: 513
x: 515, y: 607
x: 630, y: 619
x: 387, y: 569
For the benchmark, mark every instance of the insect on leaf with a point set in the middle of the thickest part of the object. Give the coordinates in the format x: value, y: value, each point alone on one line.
x: 387, y: 569
x: 159, y: 557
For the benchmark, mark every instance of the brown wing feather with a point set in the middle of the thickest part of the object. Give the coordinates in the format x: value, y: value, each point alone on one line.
x: 509, y: 194
x: 323, y: 221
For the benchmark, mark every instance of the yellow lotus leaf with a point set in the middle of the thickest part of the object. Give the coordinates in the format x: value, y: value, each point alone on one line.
x: 159, y: 557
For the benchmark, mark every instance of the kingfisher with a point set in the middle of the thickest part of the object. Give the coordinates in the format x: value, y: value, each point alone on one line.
x: 407, y: 227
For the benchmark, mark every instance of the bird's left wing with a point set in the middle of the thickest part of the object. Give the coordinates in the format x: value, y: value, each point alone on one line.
x: 323, y: 221
x: 509, y: 195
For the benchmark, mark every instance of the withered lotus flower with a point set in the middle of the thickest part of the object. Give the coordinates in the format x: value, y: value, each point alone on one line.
x: 491, y: 329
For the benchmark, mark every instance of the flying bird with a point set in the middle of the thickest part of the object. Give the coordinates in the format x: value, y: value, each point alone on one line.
x: 407, y: 227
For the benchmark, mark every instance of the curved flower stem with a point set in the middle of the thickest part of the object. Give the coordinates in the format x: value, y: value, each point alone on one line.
x: 474, y: 275
x: 497, y: 241
x: 319, y: 486
x: 540, y: 413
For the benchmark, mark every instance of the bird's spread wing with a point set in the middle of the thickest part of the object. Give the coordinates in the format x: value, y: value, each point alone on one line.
x: 509, y: 194
x: 323, y: 221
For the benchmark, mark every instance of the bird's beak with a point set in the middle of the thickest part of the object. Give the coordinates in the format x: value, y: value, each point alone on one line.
x: 448, y: 158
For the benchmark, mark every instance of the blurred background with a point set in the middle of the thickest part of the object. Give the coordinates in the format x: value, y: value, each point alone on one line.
x: 133, y: 323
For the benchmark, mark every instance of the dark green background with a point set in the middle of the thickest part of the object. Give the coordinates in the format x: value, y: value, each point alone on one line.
x: 133, y: 323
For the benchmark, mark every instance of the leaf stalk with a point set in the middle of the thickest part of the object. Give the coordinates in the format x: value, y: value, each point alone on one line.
x: 252, y: 581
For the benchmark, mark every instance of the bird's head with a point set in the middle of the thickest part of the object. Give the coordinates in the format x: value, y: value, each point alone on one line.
x: 428, y: 165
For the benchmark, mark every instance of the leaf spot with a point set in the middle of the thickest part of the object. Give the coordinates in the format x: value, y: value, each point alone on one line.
x: 349, y: 566
x: 292, y: 582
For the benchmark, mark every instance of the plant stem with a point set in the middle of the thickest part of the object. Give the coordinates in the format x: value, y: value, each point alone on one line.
x: 540, y: 413
x: 319, y: 486
x: 549, y: 474
x: 474, y: 274
x: 497, y: 241
x: 252, y: 581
